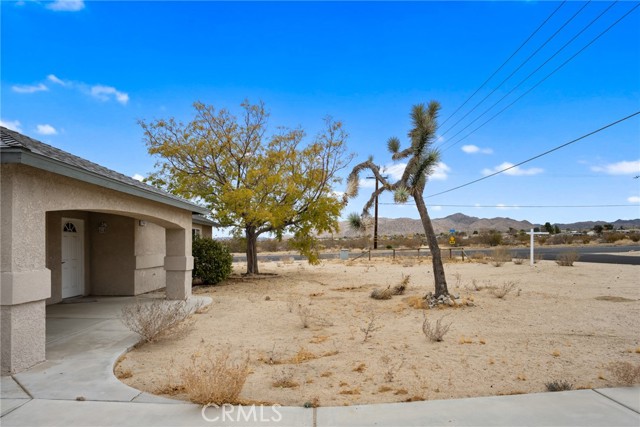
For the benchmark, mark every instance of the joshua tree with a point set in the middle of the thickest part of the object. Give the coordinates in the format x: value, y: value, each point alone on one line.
x: 422, y: 160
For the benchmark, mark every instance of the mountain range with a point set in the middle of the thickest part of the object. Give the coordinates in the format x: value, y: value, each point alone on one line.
x: 469, y: 224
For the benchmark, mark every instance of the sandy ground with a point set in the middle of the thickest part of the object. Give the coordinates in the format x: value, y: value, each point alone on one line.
x: 557, y: 323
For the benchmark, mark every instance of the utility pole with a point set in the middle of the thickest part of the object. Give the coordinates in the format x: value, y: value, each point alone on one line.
x: 375, y: 214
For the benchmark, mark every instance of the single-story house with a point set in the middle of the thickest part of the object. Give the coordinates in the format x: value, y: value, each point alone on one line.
x: 70, y: 227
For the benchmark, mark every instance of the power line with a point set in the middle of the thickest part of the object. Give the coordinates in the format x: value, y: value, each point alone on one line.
x: 518, y: 68
x: 527, y: 206
x: 504, y: 63
x: 452, y: 143
x: 539, y: 155
x: 544, y: 78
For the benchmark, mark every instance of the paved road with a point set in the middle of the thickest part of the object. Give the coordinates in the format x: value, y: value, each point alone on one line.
x: 598, y: 254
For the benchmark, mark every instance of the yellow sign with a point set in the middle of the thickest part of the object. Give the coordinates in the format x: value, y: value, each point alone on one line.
x: 452, y: 241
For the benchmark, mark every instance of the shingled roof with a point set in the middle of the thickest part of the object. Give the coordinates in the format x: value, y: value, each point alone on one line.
x: 18, y: 148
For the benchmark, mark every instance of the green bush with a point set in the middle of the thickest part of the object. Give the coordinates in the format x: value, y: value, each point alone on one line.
x: 212, y: 260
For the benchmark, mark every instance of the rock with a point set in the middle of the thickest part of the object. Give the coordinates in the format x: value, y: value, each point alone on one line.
x: 267, y: 298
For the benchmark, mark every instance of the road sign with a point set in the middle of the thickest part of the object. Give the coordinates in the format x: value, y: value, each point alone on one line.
x: 452, y: 241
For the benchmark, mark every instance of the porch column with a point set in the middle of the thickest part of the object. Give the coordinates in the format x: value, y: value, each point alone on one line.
x: 25, y: 282
x: 178, y: 263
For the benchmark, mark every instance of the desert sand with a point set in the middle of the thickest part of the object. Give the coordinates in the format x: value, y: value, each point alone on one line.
x: 556, y: 323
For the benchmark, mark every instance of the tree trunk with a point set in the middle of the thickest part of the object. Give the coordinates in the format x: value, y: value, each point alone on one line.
x: 252, y: 250
x: 432, y: 240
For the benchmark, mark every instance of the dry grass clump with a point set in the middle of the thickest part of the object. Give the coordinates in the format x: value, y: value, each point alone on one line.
x: 382, y: 293
x: 567, y: 259
x: 558, y: 385
x: 387, y: 293
x: 502, y: 291
x: 285, y: 380
x: 625, y: 373
x: 499, y: 256
x: 150, y: 320
x: 401, y: 287
x: 437, y: 332
x: 211, y: 378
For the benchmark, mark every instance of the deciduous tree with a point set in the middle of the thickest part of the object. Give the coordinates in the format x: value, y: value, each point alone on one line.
x: 422, y: 160
x: 251, y: 181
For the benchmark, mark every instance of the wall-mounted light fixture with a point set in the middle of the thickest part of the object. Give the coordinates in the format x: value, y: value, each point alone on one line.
x: 102, y: 228
x: 142, y: 223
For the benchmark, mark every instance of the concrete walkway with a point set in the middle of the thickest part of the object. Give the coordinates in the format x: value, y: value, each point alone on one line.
x: 76, y: 387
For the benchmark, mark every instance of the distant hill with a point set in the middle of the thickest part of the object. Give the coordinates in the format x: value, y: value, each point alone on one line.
x: 469, y: 224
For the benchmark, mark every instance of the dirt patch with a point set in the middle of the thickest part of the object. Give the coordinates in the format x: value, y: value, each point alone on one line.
x: 551, y: 326
x: 613, y: 299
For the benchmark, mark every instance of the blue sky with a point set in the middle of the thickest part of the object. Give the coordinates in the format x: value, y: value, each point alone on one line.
x: 78, y: 75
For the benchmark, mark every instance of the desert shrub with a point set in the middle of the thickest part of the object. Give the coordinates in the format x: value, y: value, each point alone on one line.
x: 559, y: 385
x: 586, y: 239
x: 401, y: 287
x: 635, y: 237
x: 625, y: 372
x: 149, y: 320
x: 382, y: 293
x: 214, y: 379
x: 502, y: 291
x: 567, y: 259
x: 370, y: 326
x: 612, y: 237
x: 560, y: 239
x: 499, y: 256
x: 519, y: 260
x: 212, y: 260
x: 492, y: 238
x: 437, y: 332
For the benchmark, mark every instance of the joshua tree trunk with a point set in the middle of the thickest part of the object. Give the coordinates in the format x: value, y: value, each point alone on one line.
x: 438, y: 269
x: 252, y: 250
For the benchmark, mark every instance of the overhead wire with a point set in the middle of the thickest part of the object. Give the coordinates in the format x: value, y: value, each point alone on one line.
x: 544, y: 78
x: 504, y: 63
x: 539, y: 155
x: 519, y: 67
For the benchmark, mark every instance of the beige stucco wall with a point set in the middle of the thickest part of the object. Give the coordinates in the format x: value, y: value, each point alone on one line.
x: 150, y: 249
x: 112, y: 255
x: 27, y: 195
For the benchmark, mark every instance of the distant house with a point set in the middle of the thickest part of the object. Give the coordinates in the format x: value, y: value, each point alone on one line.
x: 70, y: 227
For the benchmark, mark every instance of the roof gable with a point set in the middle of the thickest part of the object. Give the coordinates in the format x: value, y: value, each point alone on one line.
x: 12, y: 141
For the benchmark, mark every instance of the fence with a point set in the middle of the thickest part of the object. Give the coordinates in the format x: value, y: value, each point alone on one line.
x: 382, y: 253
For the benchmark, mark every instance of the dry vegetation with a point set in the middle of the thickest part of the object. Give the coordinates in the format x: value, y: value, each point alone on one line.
x: 319, y: 339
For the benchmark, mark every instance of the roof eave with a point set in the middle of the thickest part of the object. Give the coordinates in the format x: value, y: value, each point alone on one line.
x: 24, y: 157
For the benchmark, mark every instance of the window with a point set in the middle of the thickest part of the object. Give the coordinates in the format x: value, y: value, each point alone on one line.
x: 69, y: 227
x: 195, y: 232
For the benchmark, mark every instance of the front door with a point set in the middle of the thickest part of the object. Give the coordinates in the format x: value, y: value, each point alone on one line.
x: 72, y: 257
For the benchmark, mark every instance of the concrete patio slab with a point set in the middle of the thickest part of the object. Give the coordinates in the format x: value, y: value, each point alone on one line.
x: 8, y: 405
x: 10, y: 389
x: 571, y: 408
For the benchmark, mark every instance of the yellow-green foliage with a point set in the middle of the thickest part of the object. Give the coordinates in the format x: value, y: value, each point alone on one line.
x: 252, y: 181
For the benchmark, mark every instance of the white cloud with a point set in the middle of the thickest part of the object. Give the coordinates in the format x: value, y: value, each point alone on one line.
x: 46, y: 130
x: 52, y: 78
x: 440, y: 172
x: 29, y: 88
x: 104, y: 93
x: 503, y: 207
x: 514, y: 171
x: 474, y: 149
x: 66, y: 5
x: 634, y: 199
x: 436, y: 208
x: 394, y: 171
x: 11, y: 124
x: 620, y: 168
x: 137, y: 177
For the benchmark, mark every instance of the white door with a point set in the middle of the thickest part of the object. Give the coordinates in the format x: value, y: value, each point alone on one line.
x: 72, y: 257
